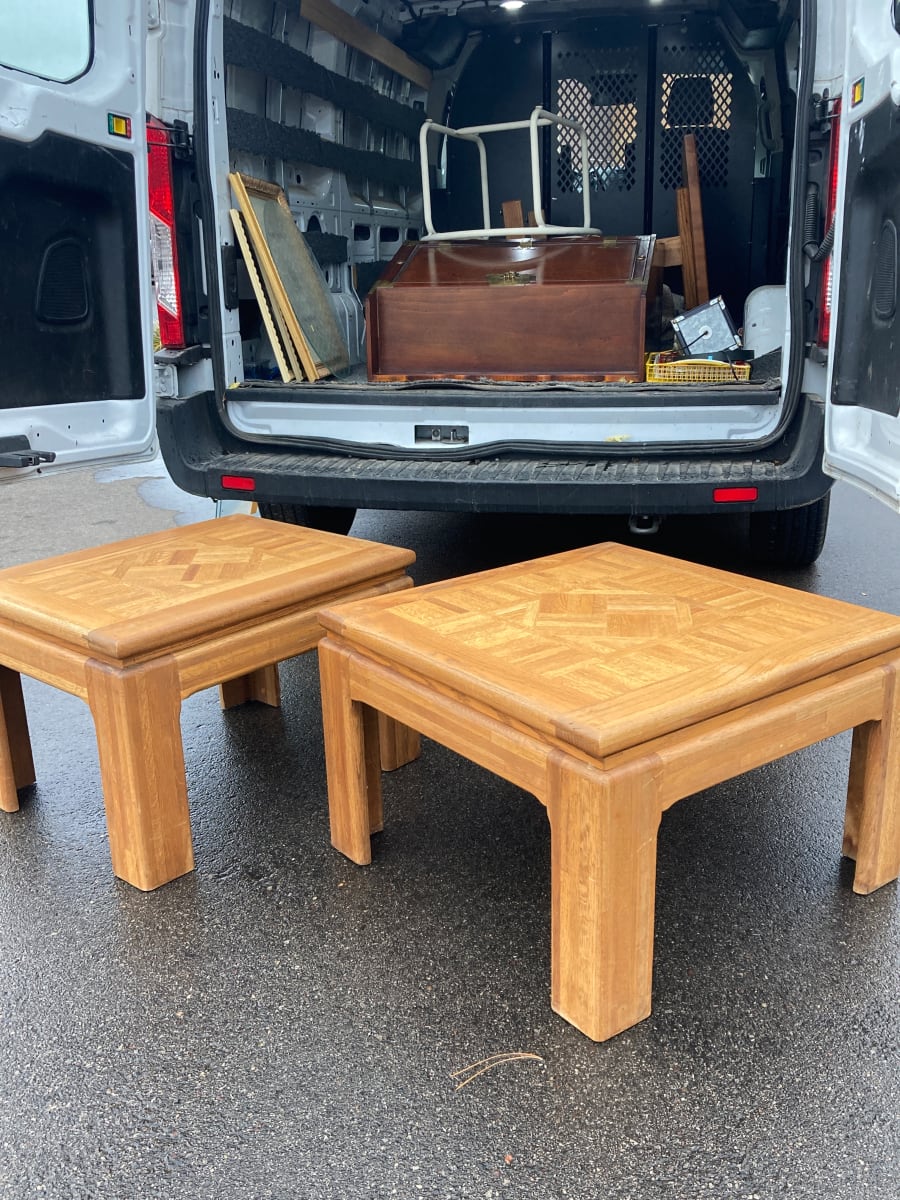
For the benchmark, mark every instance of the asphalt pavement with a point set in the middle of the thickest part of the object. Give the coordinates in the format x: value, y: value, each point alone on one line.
x: 283, y: 1024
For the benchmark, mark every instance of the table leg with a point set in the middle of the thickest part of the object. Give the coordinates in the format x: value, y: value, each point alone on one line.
x: 872, y: 821
x: 16, y: 762
x: 603, y: 828
x: 399, y: 744
x: 351, y: 758
x: 261, y: 685
x: 136, y: 714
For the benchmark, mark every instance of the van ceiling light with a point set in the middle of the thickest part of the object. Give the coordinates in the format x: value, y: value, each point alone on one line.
x: 512, y: 5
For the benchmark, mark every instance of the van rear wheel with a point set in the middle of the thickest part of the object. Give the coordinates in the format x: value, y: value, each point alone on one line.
x: 793, y: 537
x: 313, y: 516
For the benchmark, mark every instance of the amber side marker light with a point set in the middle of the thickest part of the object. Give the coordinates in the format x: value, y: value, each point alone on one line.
x: 735, y: 495
x: 238, y: 483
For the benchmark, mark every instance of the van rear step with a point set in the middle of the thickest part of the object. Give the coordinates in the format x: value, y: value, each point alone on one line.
x: 199, y: 452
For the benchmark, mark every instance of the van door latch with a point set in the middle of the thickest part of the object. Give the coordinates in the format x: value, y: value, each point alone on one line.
x: 457, y: 435
x: 17, y: 452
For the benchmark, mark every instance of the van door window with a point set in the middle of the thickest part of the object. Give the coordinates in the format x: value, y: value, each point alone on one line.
x: 49, y: 38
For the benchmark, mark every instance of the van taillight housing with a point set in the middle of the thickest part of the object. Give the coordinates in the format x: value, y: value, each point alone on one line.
x: 163, y: 246
x: 824, y: 333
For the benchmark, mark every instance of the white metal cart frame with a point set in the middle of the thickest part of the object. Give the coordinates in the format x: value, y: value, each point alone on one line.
x: 472, y: 133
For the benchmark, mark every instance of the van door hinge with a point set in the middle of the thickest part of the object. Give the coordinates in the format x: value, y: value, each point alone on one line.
x: 17, y: 452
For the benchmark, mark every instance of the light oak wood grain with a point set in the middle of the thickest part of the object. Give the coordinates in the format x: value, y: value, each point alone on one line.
x: 262, y: 685
x: 603, y: 829
x: 136, y: 716
x: 872, y: 821
x: 611, y: 683
x: 134, y: 627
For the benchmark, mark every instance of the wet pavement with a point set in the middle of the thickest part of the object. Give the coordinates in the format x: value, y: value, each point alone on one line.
x: 283, y: 1024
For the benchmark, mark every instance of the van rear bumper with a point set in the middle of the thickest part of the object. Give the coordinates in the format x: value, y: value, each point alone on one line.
x: 199, y: 450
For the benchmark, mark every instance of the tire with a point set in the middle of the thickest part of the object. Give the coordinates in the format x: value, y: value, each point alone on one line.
x: 313, y: 516
x: 793, y: 537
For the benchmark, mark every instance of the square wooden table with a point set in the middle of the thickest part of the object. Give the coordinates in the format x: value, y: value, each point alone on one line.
x: 611, y: 682
x: 134, y: 627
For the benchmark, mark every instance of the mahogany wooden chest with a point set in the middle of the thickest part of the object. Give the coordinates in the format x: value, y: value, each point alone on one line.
x: 567, y: 308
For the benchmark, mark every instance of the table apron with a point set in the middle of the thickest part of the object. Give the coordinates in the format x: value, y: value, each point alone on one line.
x: 513, y: 754
x: 728, y: 745
x: 203, y: 662
x: 40, y: 657
x: 684, y: 762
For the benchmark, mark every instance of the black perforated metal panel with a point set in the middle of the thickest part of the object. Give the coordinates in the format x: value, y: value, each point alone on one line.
x: 702, y: 89
x: 502, y: 82
x: 600, y: 80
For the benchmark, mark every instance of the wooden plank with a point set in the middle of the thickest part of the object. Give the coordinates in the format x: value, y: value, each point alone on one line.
x: 513, y: 217
x: 667, y: 252
x: 691, y: 175
x: 262, y: 299
x: 354, y: 33
x: 682, y: 208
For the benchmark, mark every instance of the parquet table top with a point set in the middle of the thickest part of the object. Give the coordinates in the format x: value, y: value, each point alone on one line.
x: 606, y: 647
x: 124, y: 600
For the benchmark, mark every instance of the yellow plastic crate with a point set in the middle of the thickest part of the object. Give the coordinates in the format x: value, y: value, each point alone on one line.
x: 665, y: 368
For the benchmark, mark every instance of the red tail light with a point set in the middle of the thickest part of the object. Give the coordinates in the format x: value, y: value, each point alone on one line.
x: 830, y: 206
x: 163, y: 245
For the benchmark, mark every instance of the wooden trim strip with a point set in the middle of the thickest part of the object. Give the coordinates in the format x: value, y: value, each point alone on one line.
x: 354, y: 33
x: 691, y: 173
x: 287, y: 369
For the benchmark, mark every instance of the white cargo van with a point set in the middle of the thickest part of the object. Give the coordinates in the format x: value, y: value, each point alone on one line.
x: 795, y: 108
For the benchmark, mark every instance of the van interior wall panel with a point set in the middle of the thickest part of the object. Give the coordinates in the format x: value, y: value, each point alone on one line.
x: 68, y: 223
x: 254, y: 51
x: 261, y: 137
x: 867, y: 338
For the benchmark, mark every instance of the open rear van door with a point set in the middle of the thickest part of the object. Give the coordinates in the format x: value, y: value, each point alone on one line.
x: 75, y: 347
x: 863, y: 424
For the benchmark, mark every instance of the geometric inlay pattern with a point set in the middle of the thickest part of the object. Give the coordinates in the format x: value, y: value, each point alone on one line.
x: 610, y: 643
x: 195, y: 576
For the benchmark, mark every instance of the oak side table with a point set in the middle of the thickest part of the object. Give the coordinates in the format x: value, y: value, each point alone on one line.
x: 611, y: 682
x: 134, y: 627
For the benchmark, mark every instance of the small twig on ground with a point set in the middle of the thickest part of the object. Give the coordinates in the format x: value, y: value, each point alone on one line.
x: 473, y: 1070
